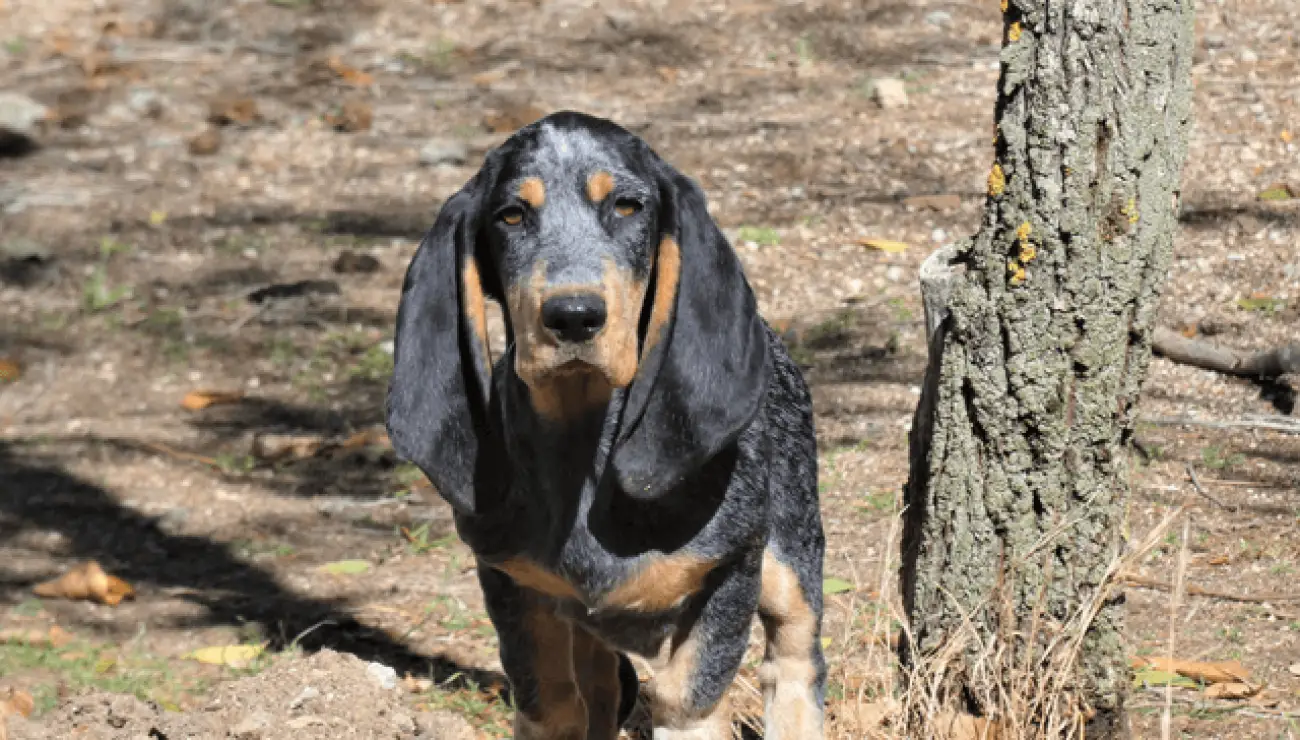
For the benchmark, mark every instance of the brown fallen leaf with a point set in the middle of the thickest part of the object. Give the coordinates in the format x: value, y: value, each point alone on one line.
x: 55, y: 636
x: 490, y: 77
x: 352, y: 117
x: 206, y: 142
x: 9, y: 371
x: 375, y: 435
x: 87, y: 582
x: 201, y: 399
x: 1232, y: 690
x: 668, y: 74
x: 1228, y: 671
x: 1218, y: 560
x: 348, y: 73
x: 59, y: 43
x: 224, y: 111
x: 15, y: 701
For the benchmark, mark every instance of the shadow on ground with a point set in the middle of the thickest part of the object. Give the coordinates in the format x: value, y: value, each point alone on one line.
x: 36, y: 494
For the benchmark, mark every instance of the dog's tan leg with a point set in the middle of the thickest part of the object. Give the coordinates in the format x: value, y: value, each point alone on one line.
x: 789, y: 675
x: 552, y: 708
x: 675, y: 712
x: 596, y: 669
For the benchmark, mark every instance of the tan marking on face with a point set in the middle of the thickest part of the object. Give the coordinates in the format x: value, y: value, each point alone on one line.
x: 533, y: 192
x: 567, y: 396
x: 663, y: 584
x: 616, y: 343
x: 531, y: 575
x: 561, y: 391
x: 595, y: 667
x: 599, y: 186
x: 533, y: 346
x: 476, y: 308
x: 669, y: 266
x: 788, y: 673
x: 561, y: 713
x: 670, y: 698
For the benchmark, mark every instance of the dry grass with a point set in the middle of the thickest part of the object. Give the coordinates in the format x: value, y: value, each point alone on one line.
x: 1024, y: 679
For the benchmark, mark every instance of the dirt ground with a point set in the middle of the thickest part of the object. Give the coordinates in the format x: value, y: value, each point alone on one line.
x: 136, y: 241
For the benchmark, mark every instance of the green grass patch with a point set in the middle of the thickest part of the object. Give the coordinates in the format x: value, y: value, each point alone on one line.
x: 82, y: 665
x: 763, y: 236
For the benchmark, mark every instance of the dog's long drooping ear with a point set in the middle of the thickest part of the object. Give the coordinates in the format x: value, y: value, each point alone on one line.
x: 704, y: 359
x: 437, y: 402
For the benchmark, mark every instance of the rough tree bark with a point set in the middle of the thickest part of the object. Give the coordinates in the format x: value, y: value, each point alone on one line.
x: 1041, y: 331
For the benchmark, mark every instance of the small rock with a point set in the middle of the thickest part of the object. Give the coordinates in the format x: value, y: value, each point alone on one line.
x: 889, y: 93
x: 173, y: 521
x: 384, y: 675
x: 938, y: 18
x: 145, y: 102
x: 307, y: 694
x: 19, y: 116
x: 1214, y: 41
x: 206, y: 143
x: 444, y: 151
x: 1248, y: 56
x: 349, y: 261
x: 405, y: 724
x: 1294, y: 670
x: 251, y: 728
x: 444, y: 726
x: 272, y: 447
x: 620, y: 20
x: 894, y: 274
x: 938, y: 236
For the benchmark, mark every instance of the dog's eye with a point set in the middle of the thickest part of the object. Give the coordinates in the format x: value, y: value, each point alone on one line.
x: 626, y: 207
x: 511, y: 216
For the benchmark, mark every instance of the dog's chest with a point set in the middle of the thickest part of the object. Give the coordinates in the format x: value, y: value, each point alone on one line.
x: 651, y: 584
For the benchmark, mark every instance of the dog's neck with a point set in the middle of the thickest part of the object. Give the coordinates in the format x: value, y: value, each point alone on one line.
x: 558, y: 455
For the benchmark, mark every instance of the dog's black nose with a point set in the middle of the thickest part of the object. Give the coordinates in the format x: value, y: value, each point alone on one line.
x: 574, y: 318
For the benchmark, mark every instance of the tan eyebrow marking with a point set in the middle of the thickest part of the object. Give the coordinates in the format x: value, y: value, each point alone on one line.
x: 533, y: 192
x: 599, y: 186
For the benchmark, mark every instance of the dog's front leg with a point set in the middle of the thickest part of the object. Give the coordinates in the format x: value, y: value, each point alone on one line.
x: 537, y: 654
x: 688, y: 692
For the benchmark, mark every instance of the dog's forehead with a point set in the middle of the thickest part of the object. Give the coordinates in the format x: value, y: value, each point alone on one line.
x: 558, y: 154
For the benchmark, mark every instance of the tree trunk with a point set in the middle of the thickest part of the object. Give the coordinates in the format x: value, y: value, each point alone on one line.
x: 1041, y: 329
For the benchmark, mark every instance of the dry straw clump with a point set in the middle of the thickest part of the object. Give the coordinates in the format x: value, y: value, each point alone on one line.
x: 1022, y: 679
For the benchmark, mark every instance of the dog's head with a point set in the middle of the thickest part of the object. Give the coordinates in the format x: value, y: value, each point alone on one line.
x: 613, y: 278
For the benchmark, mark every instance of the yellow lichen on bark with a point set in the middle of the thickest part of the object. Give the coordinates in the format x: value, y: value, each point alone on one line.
x: 997, y: 181
x: 1014, y: 32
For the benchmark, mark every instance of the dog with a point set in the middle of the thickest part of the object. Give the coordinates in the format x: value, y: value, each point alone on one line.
x: 637, y: 472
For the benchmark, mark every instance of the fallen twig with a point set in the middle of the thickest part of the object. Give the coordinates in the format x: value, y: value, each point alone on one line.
x: 1196, y: 483
x: 1275, y: 424
x: 1269, y: 364
x: 179, y: 454
x: 1133, y: 579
